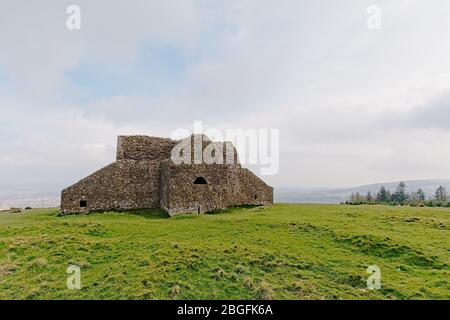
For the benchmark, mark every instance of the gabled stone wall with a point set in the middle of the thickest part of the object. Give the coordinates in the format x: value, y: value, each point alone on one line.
x: 122, y: 185
x: 252, y: 190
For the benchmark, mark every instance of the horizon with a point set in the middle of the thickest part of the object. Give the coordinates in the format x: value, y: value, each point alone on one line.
x: 281, y: 188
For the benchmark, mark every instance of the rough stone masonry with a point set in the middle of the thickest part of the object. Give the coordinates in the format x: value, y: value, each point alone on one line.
x: 145, y: 177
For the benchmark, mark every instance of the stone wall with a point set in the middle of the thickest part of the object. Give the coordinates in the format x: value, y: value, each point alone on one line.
x: 144, y: 148
x: 227, y: 185
x: 252, y: 190
x: 182, y: 195
x: 122, y: 185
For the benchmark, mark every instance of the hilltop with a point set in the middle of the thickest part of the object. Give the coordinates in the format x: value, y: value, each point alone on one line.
x: 280, y: 252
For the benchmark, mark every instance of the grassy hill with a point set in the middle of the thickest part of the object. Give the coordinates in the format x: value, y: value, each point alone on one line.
x: 280, y: 252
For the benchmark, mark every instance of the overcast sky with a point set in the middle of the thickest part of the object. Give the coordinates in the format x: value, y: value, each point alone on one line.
x: 353, y: 105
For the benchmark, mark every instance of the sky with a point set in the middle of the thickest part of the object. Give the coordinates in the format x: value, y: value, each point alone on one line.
x: 354, y: 105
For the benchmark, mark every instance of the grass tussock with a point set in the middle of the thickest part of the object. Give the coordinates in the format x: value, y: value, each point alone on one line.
x: 7, y: 269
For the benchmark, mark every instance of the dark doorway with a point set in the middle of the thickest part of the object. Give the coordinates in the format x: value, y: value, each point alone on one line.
x: 83, y: 204
x: 200, y: 180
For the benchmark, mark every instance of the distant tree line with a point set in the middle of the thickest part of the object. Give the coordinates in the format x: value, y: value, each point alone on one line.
x: 402, y: 197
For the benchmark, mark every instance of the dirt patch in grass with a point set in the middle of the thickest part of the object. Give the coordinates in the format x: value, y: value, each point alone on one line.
x: 264, y: 291
x: 7, y: 269
x: 39, y: 263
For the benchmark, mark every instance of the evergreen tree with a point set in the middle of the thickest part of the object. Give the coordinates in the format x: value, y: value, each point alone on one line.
x: 389, y: 196
x: 400, y: 196
x: 382, y: 195
x: 441, y: 196
x: 414, y: 199
x: 369, y: 197
x: 420, y: 195
x: 358, y: 198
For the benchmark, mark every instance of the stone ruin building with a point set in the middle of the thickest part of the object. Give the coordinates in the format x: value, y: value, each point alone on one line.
x: 144, y: 176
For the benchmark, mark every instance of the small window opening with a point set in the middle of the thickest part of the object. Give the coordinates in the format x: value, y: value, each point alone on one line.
x: 200, y: 180
x: 83, y: 204
x: 256, y: 196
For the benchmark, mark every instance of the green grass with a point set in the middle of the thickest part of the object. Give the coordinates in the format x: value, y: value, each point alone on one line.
x: 280, y: 252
